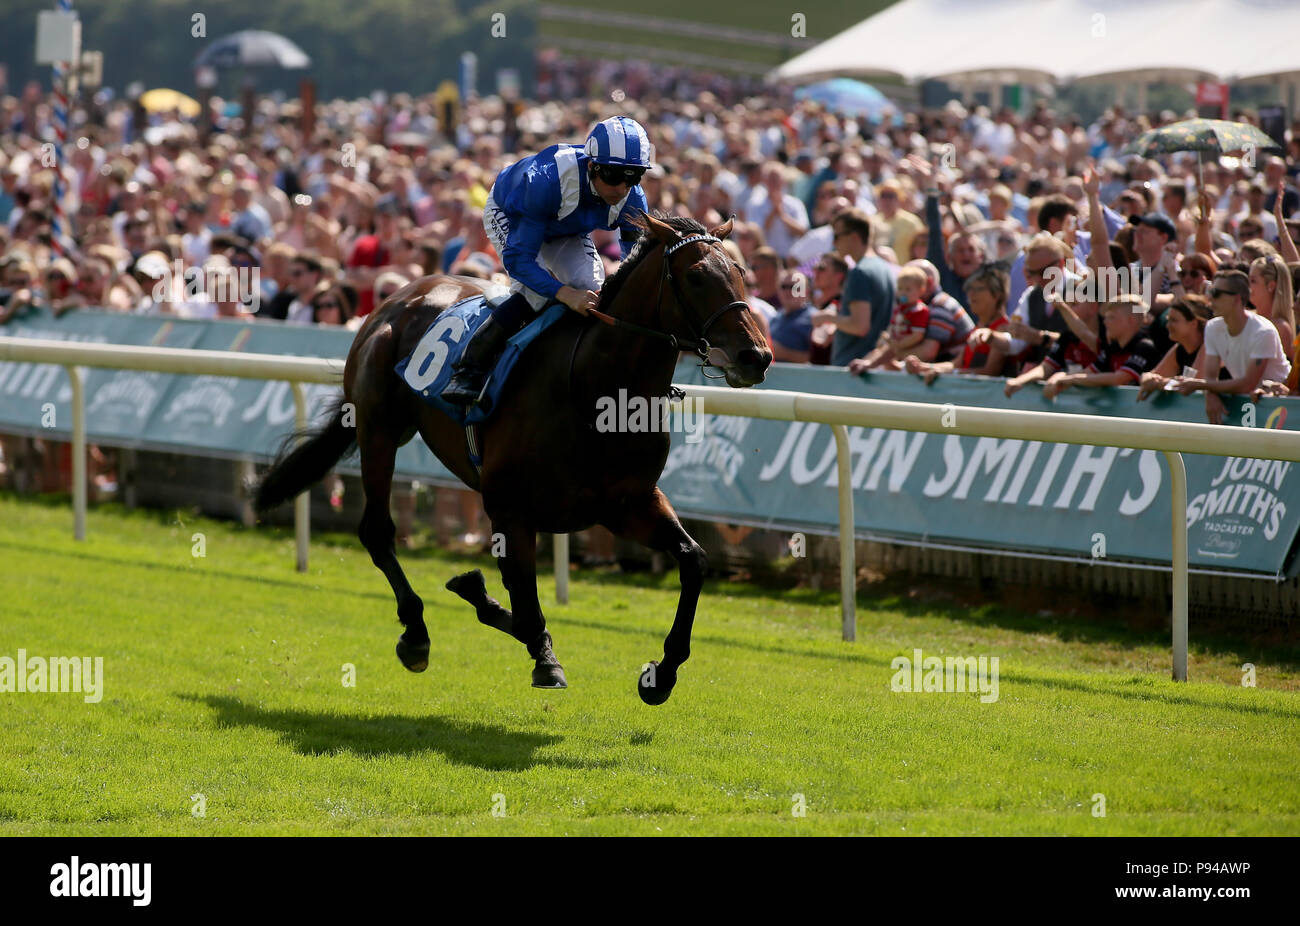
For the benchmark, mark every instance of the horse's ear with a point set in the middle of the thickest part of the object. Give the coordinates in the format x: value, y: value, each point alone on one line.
x: 659, y: 229
x: 723, y: 231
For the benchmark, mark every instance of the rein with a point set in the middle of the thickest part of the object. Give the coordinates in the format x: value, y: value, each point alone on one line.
x: 697, y: 345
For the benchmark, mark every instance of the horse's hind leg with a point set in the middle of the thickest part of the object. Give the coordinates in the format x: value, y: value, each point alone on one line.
x: 650, y: 520
x: 519, y: 573
x: 378, y: 452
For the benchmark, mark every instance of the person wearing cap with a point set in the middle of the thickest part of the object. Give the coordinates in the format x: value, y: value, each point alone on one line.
x: 539, y: 215
x: 1155, y: 239
x: 895, y: 226
x: 1237, y: 340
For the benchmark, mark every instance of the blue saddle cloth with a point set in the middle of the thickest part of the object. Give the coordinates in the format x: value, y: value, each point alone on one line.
x: 428, y: 369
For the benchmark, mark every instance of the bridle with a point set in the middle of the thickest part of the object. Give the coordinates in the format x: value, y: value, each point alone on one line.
x: 696, y: 345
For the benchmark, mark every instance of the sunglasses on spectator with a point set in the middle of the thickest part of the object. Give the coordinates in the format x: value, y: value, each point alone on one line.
x: 327, y: 305
x: 614, y: 174
x: 1184, y: 274
x: 1217, y: 291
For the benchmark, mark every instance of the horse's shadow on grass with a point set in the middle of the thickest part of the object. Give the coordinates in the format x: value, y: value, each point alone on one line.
x: 313, y: 733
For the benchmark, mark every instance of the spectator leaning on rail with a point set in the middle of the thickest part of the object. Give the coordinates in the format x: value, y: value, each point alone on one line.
x: 1072, y: 352
x: 1035, y: 322
x: 1126, y: 354
x: 1188, y: 317
x: 867, y: 302
x: 1240, y: 341
x: 949, y: 325
x: 986, y: 289
x: 906, y: 329
x: 540, y: 214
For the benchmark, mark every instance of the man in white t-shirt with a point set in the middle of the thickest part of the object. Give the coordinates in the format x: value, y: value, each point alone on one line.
x: 1237, y: 340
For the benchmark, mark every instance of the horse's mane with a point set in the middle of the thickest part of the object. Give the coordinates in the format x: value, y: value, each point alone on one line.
x: 644, y: 245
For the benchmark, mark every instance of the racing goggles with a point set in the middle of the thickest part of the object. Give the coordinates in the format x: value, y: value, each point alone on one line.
x: 615, y: 174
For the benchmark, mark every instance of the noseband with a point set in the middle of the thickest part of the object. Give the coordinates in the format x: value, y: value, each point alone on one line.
x: 696, y: 345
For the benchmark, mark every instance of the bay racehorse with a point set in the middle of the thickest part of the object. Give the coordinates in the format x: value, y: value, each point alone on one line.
x: 545, y: 466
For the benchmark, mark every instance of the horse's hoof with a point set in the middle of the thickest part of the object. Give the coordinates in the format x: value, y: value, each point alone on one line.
x: 415, y: 656
x: 655, y: 683
x: 468, y: 585
x: 549, y: 675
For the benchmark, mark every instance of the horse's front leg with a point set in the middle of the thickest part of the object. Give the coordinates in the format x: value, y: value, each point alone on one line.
x: 519, y: 573
x: 650, y: 520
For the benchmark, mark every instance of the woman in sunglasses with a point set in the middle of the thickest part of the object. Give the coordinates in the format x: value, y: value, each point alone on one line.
x: 539, y: 215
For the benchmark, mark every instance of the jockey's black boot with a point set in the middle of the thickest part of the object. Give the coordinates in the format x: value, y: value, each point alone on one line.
x: 483, y: 348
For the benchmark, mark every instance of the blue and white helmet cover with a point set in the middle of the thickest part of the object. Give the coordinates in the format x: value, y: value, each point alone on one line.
x: 620, y: 140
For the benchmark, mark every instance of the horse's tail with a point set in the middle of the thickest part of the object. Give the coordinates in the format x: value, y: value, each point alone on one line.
x: 304, y: 459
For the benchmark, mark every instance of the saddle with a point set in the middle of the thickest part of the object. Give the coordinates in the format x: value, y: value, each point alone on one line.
x: 428, y: 368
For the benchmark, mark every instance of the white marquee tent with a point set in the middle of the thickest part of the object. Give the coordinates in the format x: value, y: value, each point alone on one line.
x: 1060, y: 41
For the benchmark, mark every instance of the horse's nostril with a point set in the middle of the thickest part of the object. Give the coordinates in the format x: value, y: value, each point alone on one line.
x: 751, y: 357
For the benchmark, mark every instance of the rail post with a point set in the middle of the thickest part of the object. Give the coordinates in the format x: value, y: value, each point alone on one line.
x: 848, y: 564
x: 78, y: 380
x: 1178, y: 494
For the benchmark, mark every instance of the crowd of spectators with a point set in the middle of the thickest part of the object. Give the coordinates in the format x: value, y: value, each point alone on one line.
x: 941, y: 242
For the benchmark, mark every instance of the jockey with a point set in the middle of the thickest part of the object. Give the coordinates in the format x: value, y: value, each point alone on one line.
x: 540, y: 214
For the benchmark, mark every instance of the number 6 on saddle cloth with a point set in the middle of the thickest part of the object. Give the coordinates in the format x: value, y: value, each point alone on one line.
x: 429, y: 367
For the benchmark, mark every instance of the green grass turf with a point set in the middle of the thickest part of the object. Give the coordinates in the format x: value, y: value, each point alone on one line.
x: 223, y: 678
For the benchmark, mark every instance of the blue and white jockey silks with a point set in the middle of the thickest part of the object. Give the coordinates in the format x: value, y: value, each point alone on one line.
x: 620, y: 140
x: 542, y: 209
